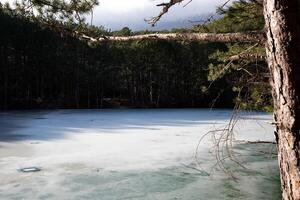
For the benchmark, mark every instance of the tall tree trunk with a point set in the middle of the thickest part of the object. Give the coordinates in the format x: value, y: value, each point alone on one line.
x: 77, y: 88
x: 97, y: 94
x: 283, y: 54
x: 150, y: 89
x: 5, y: 89
x: 89, y: 96
x: 102, y: 92
x: 5, y: 84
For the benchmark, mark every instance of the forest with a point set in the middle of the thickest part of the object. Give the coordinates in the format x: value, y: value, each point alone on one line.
x: 66, y: 71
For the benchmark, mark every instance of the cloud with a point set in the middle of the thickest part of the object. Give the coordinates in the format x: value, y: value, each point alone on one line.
x: 122, y: 6
x: 116, y: 14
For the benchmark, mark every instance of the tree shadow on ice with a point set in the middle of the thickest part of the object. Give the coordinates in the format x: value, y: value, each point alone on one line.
x: 60, y: 124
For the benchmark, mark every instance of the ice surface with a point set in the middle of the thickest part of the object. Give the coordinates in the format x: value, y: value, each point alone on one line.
x: 131, y: 154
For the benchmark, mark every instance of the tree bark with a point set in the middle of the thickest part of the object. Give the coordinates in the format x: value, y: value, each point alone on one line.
x: 283, y: 54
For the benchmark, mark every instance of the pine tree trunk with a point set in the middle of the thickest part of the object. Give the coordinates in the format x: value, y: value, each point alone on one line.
x: 5, y: 86
x: 283, y: 54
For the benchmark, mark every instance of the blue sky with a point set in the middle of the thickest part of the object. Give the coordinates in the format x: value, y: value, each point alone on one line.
x: 116, y: 14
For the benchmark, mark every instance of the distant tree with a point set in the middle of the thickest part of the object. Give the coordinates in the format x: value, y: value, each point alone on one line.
x: 125, y: 32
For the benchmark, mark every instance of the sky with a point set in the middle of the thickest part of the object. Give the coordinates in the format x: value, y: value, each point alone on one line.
x: 115, y: 14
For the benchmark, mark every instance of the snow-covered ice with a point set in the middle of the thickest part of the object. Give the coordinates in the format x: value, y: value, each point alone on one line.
x: 130, y: 154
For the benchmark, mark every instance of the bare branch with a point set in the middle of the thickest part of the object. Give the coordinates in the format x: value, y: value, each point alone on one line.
x: 247, y: 37
x: 166, y: 6
x: 248, y: 57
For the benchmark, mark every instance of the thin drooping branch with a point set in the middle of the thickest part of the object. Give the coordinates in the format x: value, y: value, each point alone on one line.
x: 247, y: 37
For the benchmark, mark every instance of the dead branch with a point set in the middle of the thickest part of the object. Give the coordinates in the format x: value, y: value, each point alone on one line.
x: 211, y: 17
x: 256, y: 142
x: 166, y: 6
x: 223, y: 144
x: 248, y: 57
x: 246, y: 37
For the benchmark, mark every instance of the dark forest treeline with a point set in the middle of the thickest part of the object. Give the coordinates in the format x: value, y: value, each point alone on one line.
x: 43, y: 68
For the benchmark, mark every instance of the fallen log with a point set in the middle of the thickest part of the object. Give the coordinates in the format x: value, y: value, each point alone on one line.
x: 246, y: 37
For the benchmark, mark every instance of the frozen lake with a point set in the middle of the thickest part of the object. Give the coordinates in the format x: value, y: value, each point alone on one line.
x: 133, y: 154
